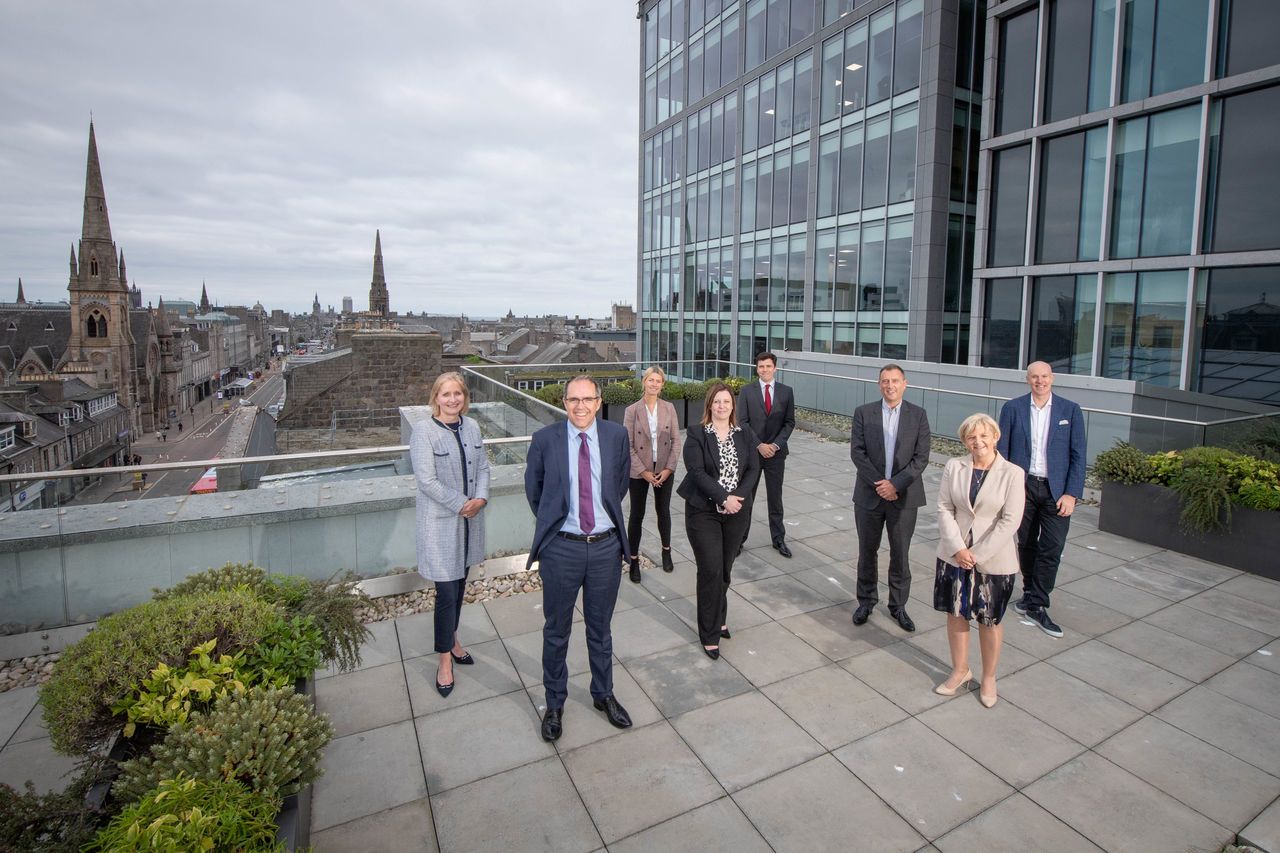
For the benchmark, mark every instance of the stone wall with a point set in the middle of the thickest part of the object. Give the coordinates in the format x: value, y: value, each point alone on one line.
x: 383, y: 370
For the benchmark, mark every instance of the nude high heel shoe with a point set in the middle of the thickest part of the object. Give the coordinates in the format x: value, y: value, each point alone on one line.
x: 943, y: 690
x: 987, y: 701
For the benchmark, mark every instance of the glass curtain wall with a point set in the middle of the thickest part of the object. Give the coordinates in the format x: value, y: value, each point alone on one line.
x: 1243, y: 209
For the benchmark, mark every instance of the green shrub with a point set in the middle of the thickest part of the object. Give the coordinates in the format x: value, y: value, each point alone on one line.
x: 184, y: 815
x: 293, y: 648
x: 1263, y: 440
x: 621, y: 393
x: 51, y: 823
x: 1123, y: 463
x: 268, y: 739
x: 553, y: 394
x: 735, y: 383
x: 107, y: 664
x: 1205, y: 495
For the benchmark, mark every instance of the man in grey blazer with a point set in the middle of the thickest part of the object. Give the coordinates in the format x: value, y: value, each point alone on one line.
x: 768, y: 409
x: 889, y: 445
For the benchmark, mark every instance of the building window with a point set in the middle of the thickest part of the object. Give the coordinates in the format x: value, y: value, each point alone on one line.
x: 1142, y: 327
x: 1002, y: 322
x: 93, y: 266
x: 906, y: 52
x: 1239, y: 353
x: 7, y: 438
x: 1069, y: 227
x: 902, y: 156
x: 1154, y: 181
x: 1248, y: 39
x: 880, y: 67
x: 1016, y: 72
x: 1063, y: 308
x: 1008, y: 231
x: 1164, y: 46
x: 1073, y: 24
x: 1243, y: 206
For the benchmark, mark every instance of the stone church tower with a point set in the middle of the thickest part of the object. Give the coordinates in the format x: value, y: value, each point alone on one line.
x: 379, y: 301
x: 101, y: 341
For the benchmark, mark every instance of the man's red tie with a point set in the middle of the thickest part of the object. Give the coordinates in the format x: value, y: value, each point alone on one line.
x: 768, y: 401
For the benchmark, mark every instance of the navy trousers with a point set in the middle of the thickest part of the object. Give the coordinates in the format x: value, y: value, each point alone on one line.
x: 595, y: 568
x: 1041, y: 538
x: 449, y: 596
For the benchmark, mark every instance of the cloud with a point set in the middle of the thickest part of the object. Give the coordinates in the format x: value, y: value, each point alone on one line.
x: 258, y: 146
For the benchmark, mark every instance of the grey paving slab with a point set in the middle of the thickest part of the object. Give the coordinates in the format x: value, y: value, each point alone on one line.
x: 1081, y: 711
x: 782, y: 596
x: 832, y: 632
x: 1081, y: 615
x: 15, y: 706
x: 1015, y: 825
x: 583, y: 724
x: 933, y: 785
x: 833, y: 706
x: 518, y: 614
x: 529, y: 808
x: 924, y: 616
x: 1243, y: 611
x: 821, y: 805
x: 666, y: 586
x: 1118, y: 811
x: 1245, y: 732
x: 492, y: 674
x: 35, y: 761
x: 1189, y: 567
x: 1254, y: 588
x: 840, y: 546
x: 1221, y: 635
x: 382, y: 648
x: 1267, y: 658
x: 1088, y: 559
x: 716, y: 734
x: 1115, y: 595
x: 404, y: 829
x: 1168, y: 651
x: 1124, y: 676
x: 684, y: 678
x: 1263, y: 831
x: 804, y: 504
x: 1127, y: 550
x: 367, y: 773
x: 1004, y: 738
x: 632, y: 783
x: 902, y: 673
x: 1218, y: 785
x: 525, y: 652
x: 33, y: 727
x: 643, y: 631
x: 1154, y: 581
x: 804, y: 526
x: 417, y: 632
x: 740, y: 614
x: 1249, y: 685
x: 748, y: 567
x: 769, y: 653
x: 464, y: 744
x: 834, y: 583
x: 719, y: 825
x: 364, y: 699
x: 1023, y: 634
x: 936, y: 643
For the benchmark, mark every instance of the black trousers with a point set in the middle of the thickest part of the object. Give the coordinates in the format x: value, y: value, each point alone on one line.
x: 662, y: 503
x: 567, y: 566
x: 871, y: 523
x: 1041, y: 538
x: 449, y: 596
x: 715, y: 539
x: 771, y: 471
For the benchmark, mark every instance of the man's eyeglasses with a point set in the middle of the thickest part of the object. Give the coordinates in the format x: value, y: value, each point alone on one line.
x: 579, y: 401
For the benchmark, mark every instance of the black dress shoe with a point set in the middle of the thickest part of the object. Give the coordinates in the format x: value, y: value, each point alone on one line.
x: 635, y: 570
x: 714, y: 654
x: 443, y: 689
x: 667, y: 565
x: 904, y: 621
x: 781, y: 548
x: 725, y: 635
x: 551, y: 727
x: 862, y: 614
x: 617, y: 714
x: 465, y: 660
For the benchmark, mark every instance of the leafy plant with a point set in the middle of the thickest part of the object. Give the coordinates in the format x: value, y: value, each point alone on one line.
x: 553, y: 394
x: 51, y: 823
x: 171, y: 694
x: 266, y: 738
x: 293, y: 648
x: 621, y: 393
x: 735, y: 383
x: 184, y: 815
x: 1205, y: 499
x: 1123, y: 463
x: 1263, y: 440
x: 107, y: 664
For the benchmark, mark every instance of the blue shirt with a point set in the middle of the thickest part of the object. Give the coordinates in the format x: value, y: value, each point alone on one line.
x: 603, y: 522
x: 889, y: 422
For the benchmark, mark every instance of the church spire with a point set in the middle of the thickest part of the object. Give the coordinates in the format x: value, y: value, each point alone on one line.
x: 96, y: 224
x: 378, y: 297
x: 204, y: 299
x: 162, y: 320
x: 22, y: 300
x: 74, y: 272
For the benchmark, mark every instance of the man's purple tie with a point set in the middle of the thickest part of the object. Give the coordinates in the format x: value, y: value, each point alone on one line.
x: 586, y: 505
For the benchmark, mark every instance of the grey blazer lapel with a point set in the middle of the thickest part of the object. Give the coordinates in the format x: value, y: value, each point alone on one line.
x: 875, y: 437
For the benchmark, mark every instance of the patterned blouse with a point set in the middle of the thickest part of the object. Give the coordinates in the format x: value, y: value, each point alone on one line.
x: 728, y: 458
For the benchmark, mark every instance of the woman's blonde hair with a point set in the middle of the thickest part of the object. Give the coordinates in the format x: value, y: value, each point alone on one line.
x: 438, y: 386
x: 979, y: 419
x: 653, y: 368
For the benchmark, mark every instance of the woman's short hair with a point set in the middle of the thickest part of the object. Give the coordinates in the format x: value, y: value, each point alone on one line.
x: 979, y: 419
x: 716, y: 388
x: 652, y: 369
x: 438, y: 386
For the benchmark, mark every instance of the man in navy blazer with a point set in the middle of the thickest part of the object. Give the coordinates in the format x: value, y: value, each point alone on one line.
x: 575, y: 477
x: 1043, y: 434
x: 768, y: 409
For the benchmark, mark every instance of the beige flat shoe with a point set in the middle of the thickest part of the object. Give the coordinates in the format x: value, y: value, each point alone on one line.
x: 943, y: 690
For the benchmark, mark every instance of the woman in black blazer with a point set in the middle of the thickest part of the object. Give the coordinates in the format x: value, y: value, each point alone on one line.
x: 721, y: 468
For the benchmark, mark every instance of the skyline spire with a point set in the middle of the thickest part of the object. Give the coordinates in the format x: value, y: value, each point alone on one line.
x: 96, y: 225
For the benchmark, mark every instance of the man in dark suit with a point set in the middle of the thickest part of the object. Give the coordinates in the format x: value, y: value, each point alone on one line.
x: 575, y: 478
x: 889, y: 445
x: 1044, y: 435
x: 768, y: 408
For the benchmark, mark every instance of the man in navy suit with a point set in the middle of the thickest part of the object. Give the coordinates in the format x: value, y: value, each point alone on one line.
x: 575, y: 478
x: 768, y: 409
x: 1044, y: 435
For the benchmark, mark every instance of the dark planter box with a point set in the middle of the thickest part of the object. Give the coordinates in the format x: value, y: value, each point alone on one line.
x: 1149, y: 513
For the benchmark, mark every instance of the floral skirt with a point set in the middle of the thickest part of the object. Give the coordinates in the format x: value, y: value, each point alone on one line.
x: 971, y: 594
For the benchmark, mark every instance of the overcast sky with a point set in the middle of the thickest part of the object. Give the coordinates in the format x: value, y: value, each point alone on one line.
x: 256, y: 146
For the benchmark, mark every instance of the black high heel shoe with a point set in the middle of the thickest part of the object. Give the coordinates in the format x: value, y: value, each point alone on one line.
x: 724, y: 633
x: 714, y: 653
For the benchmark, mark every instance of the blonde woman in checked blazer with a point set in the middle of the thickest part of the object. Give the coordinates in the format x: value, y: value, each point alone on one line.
x: 452, y: 473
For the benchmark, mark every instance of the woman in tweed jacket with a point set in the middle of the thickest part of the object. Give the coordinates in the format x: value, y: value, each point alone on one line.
x: 452, y: 471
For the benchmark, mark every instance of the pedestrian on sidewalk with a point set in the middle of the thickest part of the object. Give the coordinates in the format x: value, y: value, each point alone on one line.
x: 179, y: 426
x: 159, y: 435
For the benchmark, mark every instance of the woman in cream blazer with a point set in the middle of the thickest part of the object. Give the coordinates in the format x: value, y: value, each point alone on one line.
x: 980, y: 505
x: 655, y: 446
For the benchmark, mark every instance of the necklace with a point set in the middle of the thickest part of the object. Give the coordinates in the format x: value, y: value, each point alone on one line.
x: 979, y: 474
